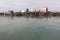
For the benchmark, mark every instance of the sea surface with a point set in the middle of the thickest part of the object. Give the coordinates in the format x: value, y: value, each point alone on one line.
x: 29, y: 28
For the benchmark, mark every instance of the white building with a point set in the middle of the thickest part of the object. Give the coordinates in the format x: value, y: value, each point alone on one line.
x: 23, y: 11
x: 7, y: 12
x: 33, y: 10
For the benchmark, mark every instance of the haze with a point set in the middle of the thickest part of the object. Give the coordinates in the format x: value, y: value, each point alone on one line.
x: 17, y: 5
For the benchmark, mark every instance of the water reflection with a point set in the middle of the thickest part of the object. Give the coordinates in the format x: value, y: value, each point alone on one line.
x: 29, y: 28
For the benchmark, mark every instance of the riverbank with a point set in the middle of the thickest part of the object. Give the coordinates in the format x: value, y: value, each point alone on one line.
x: 32, y: 14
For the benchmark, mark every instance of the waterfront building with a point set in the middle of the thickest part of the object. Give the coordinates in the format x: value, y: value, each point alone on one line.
x: 46, y: 9
x: 23, y: 11
x: 27, y: 10
x: 8, y: 12
x: 43, y: 10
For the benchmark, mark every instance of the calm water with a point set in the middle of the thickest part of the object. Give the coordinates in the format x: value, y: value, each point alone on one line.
x: 23, y: 28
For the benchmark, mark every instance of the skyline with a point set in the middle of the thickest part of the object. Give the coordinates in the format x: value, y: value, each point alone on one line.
x: 18, y: 5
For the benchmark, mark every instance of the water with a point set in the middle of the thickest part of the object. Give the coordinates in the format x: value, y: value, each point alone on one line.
x: 23, y: 28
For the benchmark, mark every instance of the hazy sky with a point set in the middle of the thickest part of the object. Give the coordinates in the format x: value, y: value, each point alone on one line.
x: 17, y: 5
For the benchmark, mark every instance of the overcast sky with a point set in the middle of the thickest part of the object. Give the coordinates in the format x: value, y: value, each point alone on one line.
x: 17, y: 5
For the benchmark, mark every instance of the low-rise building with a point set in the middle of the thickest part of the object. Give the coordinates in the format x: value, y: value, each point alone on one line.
x: 8, y: 12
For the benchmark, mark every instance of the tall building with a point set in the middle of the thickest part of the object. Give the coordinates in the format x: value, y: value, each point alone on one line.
x: 44, y: 10
x: 27, y: 10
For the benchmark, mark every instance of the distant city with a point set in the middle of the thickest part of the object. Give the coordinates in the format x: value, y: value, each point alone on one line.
x: 32, y: 12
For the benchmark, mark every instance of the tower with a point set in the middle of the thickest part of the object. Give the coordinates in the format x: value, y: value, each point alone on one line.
x: 46, y: 9
x: 27, y: 10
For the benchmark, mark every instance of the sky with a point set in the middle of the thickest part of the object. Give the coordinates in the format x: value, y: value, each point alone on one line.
x: 18, y: 5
